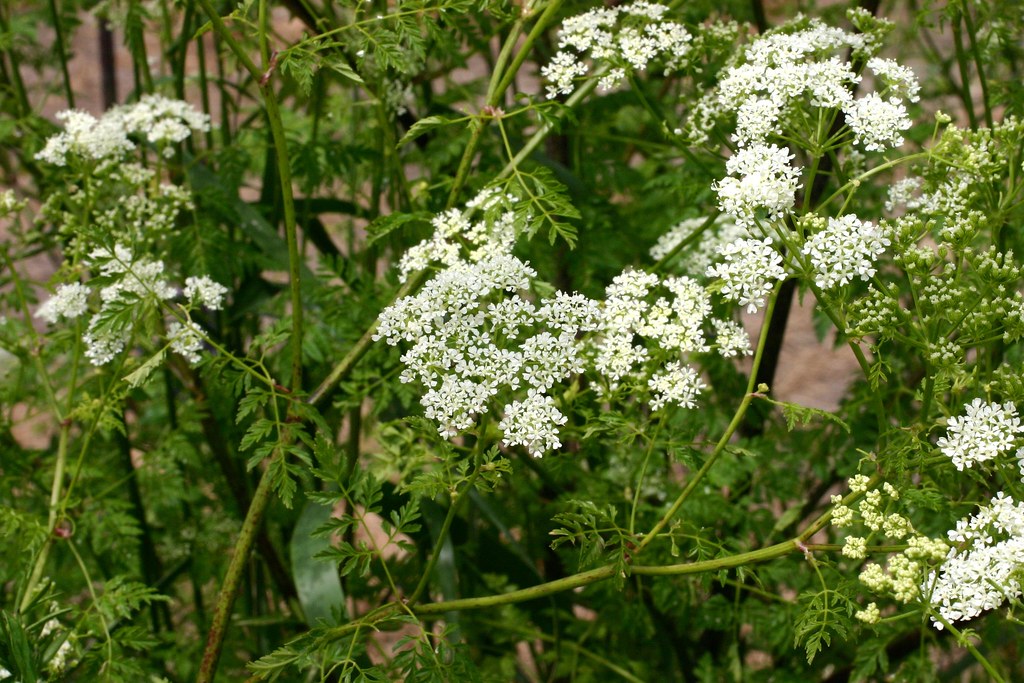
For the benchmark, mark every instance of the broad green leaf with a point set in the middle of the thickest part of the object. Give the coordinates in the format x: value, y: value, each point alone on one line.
x: 316, y: 581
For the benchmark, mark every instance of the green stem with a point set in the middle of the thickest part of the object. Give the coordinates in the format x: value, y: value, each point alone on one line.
x: 53, y: 518
x: 61, y: 44
x: 233, y: 579
x: 453, y: 508
x: 965, y: 72
x: 17, y: 84
x: 510, y: 74
x: 294, y: 259
x: 501, y: 80
x: 539, y: 591
x: 979, y: 64
x: 643, y: 471
x: 965, y: 641
x: 737, y: 420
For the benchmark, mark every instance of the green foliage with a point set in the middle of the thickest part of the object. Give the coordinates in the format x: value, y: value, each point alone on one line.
x: 154, y: 430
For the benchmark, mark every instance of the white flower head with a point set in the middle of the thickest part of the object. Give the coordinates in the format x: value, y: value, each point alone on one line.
x: 983, y: 566
x: 748, y: 271
x: 760, y: 178
x: 203, y: 291
x: 845, y: 249
x: 984, y: 432
x: 533, y: 423
x: 731, y: 338
x: 87, y: 137
x: 677, y: 383
x: 69, y: 302
x: 901, y: 80
x: 877, y: 123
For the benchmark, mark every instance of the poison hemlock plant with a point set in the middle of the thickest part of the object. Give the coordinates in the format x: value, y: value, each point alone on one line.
x: 370, y: 366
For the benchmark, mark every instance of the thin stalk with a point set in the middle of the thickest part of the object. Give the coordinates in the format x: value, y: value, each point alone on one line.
x: 18, y: 85
x: 965, y: 72
x: 477, y: 125
x: 966, y: 642
x: 737, y: 420
x: 640, y: 479
x: 233, y: 579
x: 542, y: 24
x: 52, y: 519
x: 453, y: 508
x: 606, y: 572
x: 979, y: 65
x: 62, y: 54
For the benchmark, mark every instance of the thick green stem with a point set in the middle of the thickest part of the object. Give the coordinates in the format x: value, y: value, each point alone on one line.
x: 233, y: 579
x: 254, y: 515
x: 53, y: 518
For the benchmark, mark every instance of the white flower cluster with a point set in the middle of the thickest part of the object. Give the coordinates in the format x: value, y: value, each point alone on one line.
x: 677, y: 383
x: 760, y: 178
x: 983, y: 433
x: 135, y: 283
x: 626, y: 37
x: 203, y: 291
x: 59, y: 661
x: 798, y: 65
x: 474, y: 336
x: 493, y: 234
x: 159, y: 120
x: 676, y: 325
x: 983, y: 566
x: 845, y: 249
x: 9, y: 203
x: 86, y: 137
x: 69, y: 301
x: 877, y: 123
x: 748, y: 271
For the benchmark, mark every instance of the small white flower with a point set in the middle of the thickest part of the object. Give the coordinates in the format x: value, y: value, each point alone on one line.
x: 562, y: 72
x: 876, y: 123
x: 186, y: 340
x: 203, y: 291
x: 869, y: 615
x: 101, y: 347
x: 983, y: 433
x: 678, y: 383
x: 982, y: 568
x: 760, y: 177
x: 855, y: 547
x: 532, y: 423
x: 731, y: 338
x: 748, y: 271
x: 69, y: 301
x: 87, y: 137
x: 900, y: 79
x: 844, y: 250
